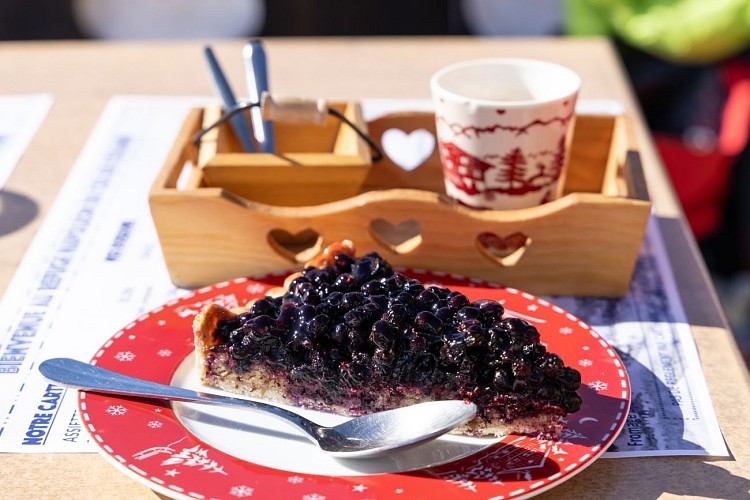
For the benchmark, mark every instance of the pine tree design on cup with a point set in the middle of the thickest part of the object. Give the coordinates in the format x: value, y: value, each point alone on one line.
x: 504, y: 128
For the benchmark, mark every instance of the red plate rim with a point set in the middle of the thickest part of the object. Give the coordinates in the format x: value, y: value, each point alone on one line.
x: 517, y: 467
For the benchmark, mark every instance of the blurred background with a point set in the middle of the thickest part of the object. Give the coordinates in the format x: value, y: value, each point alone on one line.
x: 688, y: 61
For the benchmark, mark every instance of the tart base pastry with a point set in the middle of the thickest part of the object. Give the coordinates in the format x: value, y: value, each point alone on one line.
x: 351, y: 336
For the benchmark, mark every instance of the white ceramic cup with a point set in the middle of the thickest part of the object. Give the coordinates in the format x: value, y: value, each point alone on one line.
x: 504, y: 128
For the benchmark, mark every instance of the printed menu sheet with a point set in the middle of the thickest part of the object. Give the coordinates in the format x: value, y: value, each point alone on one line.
x: 20, y: 117
x: 95, y: 265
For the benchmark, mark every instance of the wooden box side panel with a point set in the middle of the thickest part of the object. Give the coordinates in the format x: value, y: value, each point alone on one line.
x: 596, y: 142
x: 569, y: 246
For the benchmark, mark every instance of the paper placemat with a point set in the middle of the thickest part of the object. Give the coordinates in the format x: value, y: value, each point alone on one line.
x: 20, y: 118
x: 95, y: 265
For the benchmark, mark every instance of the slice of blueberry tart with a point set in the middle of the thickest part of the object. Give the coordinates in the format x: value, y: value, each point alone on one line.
x: 350, y: 335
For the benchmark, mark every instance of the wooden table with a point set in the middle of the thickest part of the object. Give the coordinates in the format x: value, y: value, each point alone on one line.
x: 82, y: 76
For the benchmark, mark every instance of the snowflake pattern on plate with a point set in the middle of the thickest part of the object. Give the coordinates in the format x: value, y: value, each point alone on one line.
x: 517, y: 467
x: 598, y: 385
x: 117, y: 410
x: 241, y: 491
x: 313, y: 496
x: 124, y: 356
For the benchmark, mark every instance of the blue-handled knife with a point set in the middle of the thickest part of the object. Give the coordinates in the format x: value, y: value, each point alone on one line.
x: 257, y: 82
x: 238, y: 122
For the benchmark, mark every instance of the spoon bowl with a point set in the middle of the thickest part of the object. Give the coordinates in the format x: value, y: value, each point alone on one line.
x: 365, y: 436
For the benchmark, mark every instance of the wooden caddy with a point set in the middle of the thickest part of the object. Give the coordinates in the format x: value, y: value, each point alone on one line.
x: 221, y: 224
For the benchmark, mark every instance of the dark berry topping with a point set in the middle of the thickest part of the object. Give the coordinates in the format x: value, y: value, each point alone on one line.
x: 357, y: 329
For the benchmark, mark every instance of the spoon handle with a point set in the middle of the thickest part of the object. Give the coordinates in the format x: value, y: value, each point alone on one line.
x: 87, y: 377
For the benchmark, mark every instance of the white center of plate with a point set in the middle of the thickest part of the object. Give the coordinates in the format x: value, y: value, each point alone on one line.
x: 263, y: 439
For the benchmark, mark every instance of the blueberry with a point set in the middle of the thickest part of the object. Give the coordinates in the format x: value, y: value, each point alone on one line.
x: 457, y: 301
x: 235, y: 336
x: 352, y: 299
x: 413, y: 286
x: 382, y: 362
x: 300, y: 338
x: 287, y: 314
x: 453, y: 351
x: 360, y: 316
x: 344, y: 283
x: 570, y: 378
x: 465, y: 326
x: 340, y: 333
x: 520, y: 385
x: 491, y: 310
x: 291, y: 298
x: 319, y: 325
x: 306, y: 312
x: 534, y: 351
x: 381, y: 301
x: 445, y: 314
x: 502, y: 380
x: 362, y: 358
x: 333, y: 356
x: 394, y: 282
x: 441, y: 292
x: 326, y: 308
x: 343, y: 262
x: 549, y: 391
x: 458, y: 382
x: 373, y: 287
x: 296, y: 282
x: 320, y: 277
x: 431, y: 340
x: 225, y: 327
x: 427, y: 322
x: 467, y: 313
x: 521, y: 328
x: 334, y: 298
x: 358, y: 338
x: 397, y: 315
x: 365, y: 269
x: 382, y: 335
x: 260, y: 327
x: 264, y: 306
x: 425, y: 366
x: 536, y: 377
x: 473, y: 332
x: 520, y: 369
x: 552, y: 365
x: 426, y: 299
x: 571, y: 402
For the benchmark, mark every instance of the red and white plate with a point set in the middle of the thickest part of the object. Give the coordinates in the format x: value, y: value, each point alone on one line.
x: 193, y: 451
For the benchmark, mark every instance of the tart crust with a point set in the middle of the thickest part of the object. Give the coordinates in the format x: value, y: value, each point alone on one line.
x: 217, y: 368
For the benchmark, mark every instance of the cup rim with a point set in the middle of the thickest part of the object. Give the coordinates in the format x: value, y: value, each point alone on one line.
x: 440, y: 91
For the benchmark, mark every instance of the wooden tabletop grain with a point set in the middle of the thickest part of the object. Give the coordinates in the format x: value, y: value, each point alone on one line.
x: 81, y: 76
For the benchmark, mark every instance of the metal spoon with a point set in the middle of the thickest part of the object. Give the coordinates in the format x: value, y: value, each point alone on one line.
x: 365, y: 436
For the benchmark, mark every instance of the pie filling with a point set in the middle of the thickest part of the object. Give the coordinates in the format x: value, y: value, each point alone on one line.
x: 351, y: 336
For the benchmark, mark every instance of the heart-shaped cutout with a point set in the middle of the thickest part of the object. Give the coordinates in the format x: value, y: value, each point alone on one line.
x: 503, y: 250
x: 408, y: 151
x: 401, y: 238
x: 299, y: 247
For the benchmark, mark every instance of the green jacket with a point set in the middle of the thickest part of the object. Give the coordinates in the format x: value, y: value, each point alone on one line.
x: 681, y: 31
